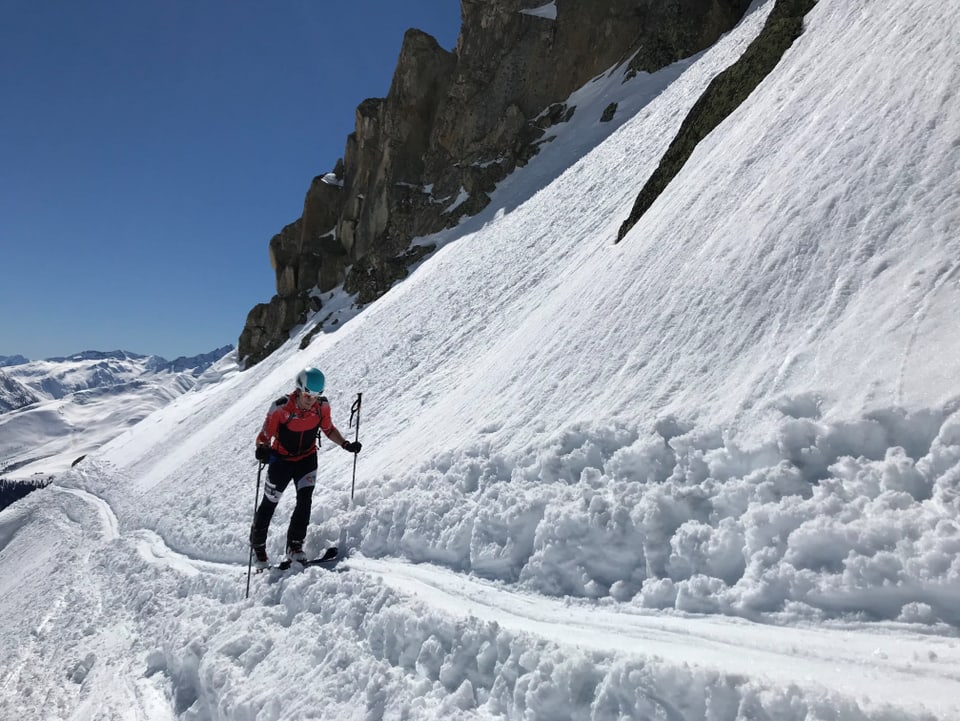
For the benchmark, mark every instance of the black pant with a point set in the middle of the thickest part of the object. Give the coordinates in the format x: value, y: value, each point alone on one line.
x: 279, y: 474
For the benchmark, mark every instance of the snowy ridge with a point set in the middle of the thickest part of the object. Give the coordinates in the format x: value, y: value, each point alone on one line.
x: 14, y: 394
x: 57, y: 410
x: 54, y: 378
x: 711, y: 472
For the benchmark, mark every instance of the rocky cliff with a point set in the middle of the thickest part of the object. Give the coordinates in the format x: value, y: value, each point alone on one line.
x: 454, y: 124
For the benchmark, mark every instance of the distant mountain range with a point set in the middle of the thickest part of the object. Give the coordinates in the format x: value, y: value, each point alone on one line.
x: 12, y: 360
x: 55, y: 410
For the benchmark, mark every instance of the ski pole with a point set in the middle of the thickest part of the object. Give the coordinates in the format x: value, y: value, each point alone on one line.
x: 255, y: 499
x: 355, y: 410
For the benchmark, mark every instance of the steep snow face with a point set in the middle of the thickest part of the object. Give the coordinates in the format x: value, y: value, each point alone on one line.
x: 840, y: 281
x: 746, y: 410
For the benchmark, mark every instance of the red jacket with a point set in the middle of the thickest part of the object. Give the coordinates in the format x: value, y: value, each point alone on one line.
x: 292, y: 432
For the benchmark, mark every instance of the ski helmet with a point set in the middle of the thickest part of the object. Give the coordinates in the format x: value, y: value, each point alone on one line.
x: 311, y: 380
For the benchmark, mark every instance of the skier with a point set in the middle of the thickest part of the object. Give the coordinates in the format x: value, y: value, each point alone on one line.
x: 288, y: 443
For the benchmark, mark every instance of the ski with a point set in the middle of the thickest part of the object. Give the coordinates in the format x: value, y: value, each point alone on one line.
x: 329, y: 559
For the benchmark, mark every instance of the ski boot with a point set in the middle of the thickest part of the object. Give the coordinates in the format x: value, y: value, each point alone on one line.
x: 295, y: 552
x: 260, y: 559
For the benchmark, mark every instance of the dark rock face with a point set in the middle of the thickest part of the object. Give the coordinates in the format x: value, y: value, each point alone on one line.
x: 268, y: 325
x: 724, y: 95
x: 452, y: 126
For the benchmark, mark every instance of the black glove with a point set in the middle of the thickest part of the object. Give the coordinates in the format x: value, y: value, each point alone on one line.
x: 352, y: 446
x: 263, y: 453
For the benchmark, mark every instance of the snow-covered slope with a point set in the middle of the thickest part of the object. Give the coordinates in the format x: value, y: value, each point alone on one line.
x: 59, y: 409
x: 14, y: 394
x: 710, y: 472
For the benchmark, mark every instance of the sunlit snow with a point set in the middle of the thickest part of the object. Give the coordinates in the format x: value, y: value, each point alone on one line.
x: 710, y: 472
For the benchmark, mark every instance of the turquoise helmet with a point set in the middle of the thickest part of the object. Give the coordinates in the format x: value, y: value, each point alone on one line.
x: 311, y: 380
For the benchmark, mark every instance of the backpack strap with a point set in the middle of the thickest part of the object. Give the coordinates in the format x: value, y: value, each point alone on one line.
x: 320, y: 401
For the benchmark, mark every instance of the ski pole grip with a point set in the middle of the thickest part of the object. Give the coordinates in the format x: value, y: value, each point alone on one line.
x: 355, y: 411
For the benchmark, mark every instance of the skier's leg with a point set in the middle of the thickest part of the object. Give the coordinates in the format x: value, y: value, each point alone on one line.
x: 306, y: 480
x: 278, y: 476
x: 300, y: 518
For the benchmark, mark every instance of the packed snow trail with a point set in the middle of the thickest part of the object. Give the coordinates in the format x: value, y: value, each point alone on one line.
x: 887, y: 665
x: 882, y: 666
x: 69, y: 656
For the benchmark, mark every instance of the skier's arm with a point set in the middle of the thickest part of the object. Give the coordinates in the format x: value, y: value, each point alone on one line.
x: 270, y: 425
x: 334, y: 435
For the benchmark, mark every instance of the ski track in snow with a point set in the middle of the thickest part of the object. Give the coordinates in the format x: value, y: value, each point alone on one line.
x: 153, y: 548
x: 887, y: 666
x: 108, y: 519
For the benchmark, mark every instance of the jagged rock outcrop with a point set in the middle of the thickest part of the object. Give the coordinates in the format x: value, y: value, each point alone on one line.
x: 304, y: 255
x: 453, y: 125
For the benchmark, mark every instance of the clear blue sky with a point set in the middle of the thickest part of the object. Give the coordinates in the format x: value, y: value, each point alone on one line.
x: 149, y: 150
